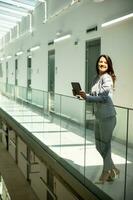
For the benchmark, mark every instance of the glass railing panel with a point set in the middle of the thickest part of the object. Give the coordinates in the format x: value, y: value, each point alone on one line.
x: 22, y: 93
x: 46, y: 102
x: 10, y: 91
x: 37, y: 98
x: 31, y: 115
x: 29, y: 94
x: 17, y: 107
x: 119, y: 148
x: 54, y: 115
x: 2, y: 87
x: 67, y: 128
x: 16, y: 92
x: 92, y: 157
x: 11, y: 106
x: 48, y: 131
x: 51, y: 101
x: 73, y: 134
x: 7, y: 89
x: 129, y: 169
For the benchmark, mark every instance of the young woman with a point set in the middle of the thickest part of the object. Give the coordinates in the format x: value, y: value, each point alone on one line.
x: 101, y: 96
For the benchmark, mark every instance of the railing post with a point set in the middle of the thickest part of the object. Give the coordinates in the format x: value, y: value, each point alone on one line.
x: 126, y: 156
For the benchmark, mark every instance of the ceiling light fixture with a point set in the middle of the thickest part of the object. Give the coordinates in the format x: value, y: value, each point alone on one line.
x: 62, y: 38
x: 1, y: 59
x: 34, y: 48
x: 98, y: 1
x: 123, y: 18
x: 19, y: 53
x: 8, y: 57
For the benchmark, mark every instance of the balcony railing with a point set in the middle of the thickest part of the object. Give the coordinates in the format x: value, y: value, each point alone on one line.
x: 66, y: 126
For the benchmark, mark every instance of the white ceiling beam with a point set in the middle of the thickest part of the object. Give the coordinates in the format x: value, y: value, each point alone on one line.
x: 2, y: 31
x: 18, y: 4
x: 10, y: 18
x: 4, y: 28
x: 11, y: 10
x: 2, y: 24
x: 7, y: 23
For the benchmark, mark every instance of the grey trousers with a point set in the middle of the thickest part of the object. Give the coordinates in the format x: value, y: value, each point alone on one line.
x: 103, y: 135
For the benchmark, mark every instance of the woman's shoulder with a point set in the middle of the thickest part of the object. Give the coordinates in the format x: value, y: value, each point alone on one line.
x: 106, y: 78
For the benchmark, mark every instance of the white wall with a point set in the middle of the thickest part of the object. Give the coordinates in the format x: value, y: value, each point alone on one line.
x: 116, y: 40
x: 68, y: 65
x: 70, y: 59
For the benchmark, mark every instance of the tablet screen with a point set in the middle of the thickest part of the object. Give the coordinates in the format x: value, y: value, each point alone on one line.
x: 76, y: 87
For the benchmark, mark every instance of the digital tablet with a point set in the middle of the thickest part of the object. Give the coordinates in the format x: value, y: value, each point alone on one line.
x: 76, y: 87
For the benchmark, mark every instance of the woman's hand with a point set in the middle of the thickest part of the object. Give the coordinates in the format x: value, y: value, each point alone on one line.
x: 82, y: 94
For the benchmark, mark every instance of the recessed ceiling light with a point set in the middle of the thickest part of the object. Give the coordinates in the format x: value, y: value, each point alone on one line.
x: 62, y: 38
x: 98, y: 1
x: 125, y: 17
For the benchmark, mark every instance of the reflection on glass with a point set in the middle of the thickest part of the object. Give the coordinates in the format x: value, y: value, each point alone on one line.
x: 73, y: 132
x: 68, y: 131
x: 129, y: 167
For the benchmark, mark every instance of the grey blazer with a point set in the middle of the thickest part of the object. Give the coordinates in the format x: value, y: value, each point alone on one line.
x: 101, y: 96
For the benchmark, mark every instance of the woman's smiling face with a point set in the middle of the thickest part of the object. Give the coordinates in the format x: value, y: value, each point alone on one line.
x: 102, y: 65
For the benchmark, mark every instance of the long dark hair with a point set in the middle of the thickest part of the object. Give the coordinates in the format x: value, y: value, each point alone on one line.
x: 110, y: 69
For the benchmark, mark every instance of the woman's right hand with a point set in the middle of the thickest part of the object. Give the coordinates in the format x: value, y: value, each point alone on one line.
x: 82, y: 94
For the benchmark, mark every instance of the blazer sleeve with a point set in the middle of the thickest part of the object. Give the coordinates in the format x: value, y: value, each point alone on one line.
x: 105, y: 88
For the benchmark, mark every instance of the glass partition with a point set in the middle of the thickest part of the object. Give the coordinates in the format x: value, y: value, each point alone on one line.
x: 10, y: 90
x: 129, y: 164
x: 118, y: 151
x: 52, y: 133
x: 7, y: 89
x: 92, y: 163
x: 22, y: 93
x: 73, y: 133
x: 69, y: 135
x: 45, y: 102
x: 37, y: 98
x: 2, y: 87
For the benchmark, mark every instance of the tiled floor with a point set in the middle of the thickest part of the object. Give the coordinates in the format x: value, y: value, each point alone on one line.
x: 17, y: 186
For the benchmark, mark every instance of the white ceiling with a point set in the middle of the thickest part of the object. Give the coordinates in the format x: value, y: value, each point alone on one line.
x: 12, y: 11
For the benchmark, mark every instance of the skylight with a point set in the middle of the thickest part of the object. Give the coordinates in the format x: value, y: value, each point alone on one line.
x: 12, y: 11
